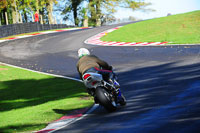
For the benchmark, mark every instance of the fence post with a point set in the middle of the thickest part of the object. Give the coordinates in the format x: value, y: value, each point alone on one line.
x: 33, y: 20
x: 16, y: 11
x: 20, y: 15
x: 6, y: 18
x: 41, y: 19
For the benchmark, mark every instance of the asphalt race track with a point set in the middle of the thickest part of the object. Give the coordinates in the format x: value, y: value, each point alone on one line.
x: 161, y: 84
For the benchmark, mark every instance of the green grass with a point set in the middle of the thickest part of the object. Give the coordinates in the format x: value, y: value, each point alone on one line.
x: 29, y: 101
x: 178, y: 29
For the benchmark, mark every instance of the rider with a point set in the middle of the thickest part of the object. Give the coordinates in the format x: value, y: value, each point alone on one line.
x: 91, y: 63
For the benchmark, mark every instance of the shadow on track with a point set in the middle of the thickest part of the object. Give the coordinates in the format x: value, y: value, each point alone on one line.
x: 162, y: 98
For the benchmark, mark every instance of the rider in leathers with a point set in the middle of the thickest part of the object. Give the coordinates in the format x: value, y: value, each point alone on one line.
x: 91, y: 63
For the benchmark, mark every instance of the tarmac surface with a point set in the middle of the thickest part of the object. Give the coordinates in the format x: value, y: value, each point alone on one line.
x: 161, y: 84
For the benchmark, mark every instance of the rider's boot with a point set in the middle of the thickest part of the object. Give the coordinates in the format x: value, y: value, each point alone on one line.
x: 96, y: 100
x: 92, y: 93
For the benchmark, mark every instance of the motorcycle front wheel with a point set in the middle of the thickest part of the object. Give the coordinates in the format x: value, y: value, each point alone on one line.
x: 105, y: 100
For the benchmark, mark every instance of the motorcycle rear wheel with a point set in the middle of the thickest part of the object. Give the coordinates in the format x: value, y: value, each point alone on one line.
x: 105, y: 100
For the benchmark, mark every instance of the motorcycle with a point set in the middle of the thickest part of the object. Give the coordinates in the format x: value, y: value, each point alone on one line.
x: 107, y: 93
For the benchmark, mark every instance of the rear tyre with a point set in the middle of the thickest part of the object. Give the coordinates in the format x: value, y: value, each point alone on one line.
x: 105, y: 99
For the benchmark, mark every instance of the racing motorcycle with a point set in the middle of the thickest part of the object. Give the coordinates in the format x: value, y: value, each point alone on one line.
x: 107, y: 93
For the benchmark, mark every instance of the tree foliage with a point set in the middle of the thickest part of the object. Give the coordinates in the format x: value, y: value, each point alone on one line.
x: 72, y: 7
x: 99, y: 9
x: 26, y: 8
x: 3, y: 4
x: 95, y: 11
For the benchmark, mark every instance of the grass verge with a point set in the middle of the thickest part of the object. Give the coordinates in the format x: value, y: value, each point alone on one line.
x: 29, y: 101
x: 178, y: 29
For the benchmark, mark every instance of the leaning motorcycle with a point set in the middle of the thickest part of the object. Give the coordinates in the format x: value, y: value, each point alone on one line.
x: 108, y: 93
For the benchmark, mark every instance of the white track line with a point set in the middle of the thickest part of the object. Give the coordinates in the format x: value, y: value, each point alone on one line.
x: 95, y: 40
x: 59, y: 76
x: 95, y: 106
x: 42, y: 33
x: 2, y: 41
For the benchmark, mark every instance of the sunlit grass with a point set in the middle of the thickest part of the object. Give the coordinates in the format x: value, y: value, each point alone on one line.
x: 29, y: 101
x: 178, y: 29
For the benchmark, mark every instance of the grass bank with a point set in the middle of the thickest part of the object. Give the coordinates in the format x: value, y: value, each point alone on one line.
x: 178, y: 29
x: 29, y: 101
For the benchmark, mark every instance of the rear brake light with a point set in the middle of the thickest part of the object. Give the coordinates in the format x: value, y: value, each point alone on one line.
x: 93, y: 83
x: 86, y: 76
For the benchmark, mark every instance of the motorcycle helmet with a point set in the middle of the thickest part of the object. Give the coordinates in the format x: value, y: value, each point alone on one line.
x: 82, y: 52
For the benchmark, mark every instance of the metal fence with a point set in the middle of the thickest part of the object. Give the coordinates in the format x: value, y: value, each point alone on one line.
x: 14, y: 29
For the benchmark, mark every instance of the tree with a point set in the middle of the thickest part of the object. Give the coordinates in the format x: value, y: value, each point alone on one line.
x: 72, y: 7
x: 92, y: 9
x: 84, y: 17
x: 96, y: 12
x: 49, y: 4
x: 100, y: 8
x: 14, y: 9
x: 50, y: 10
x: 26, y: 9
x: 6, y: 12
x: 44, y: 8
x: 3, y: 5
x: 97, y: 9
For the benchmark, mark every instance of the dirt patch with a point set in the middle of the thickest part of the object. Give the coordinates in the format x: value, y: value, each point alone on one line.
x: 2, y: 69
x: 85, y: 98
x: 2, y: 64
